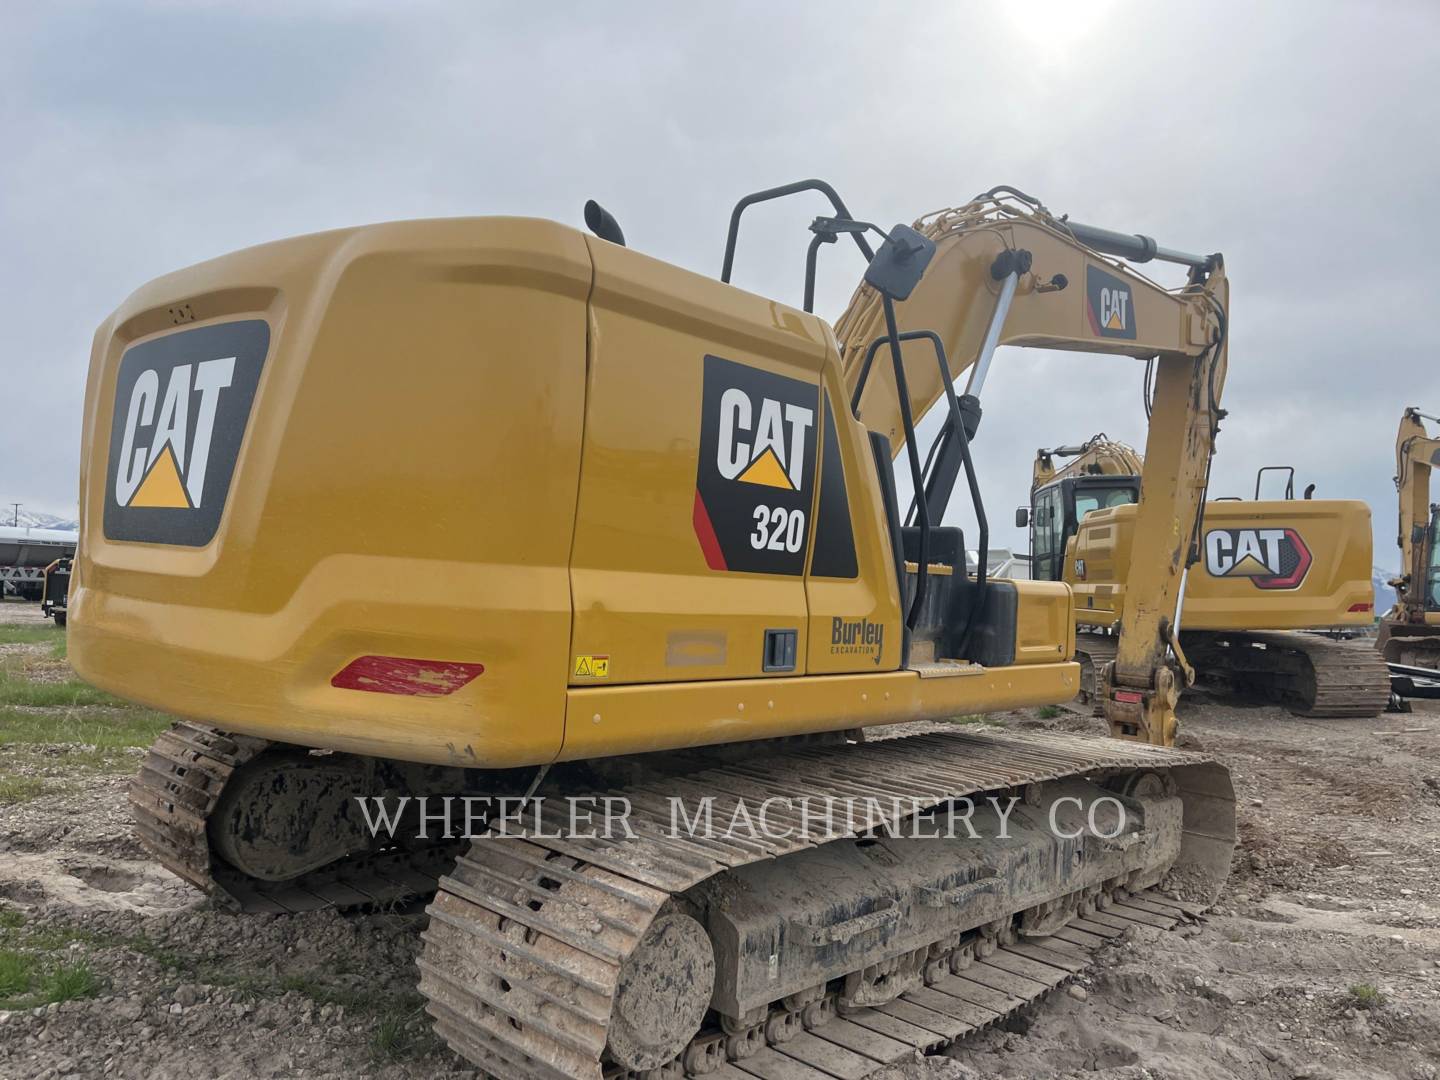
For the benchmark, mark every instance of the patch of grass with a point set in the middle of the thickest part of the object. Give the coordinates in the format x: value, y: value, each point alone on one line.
x: 51, y: 938
x: 978, y: 719
x: 61, y: 649
x: 1048, y: 712
x: 18, y: 789
x: 16, y: 690
x: 68, y: 982
x: 387, y: 1041
x: 392, y: 1038
x: 10, y: 919
x: 315, y: 990
x: 26, y: 981
x: 113, y: 728
x: 1367, y: 996
x: 16, y: 973
x: 30, y: 635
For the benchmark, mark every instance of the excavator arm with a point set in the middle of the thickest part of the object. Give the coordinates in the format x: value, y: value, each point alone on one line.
x: 1096, y: 456
x: 1007, y: 272
x: 1415, y: 455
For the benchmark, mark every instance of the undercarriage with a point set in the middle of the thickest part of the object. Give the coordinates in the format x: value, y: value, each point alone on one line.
x: 899, y: 895
x: 1307, y: 674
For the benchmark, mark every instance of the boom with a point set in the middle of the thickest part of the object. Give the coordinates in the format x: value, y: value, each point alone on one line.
x: 1096, y: 456
x: 1007, y: 272
x: 1415, y: 455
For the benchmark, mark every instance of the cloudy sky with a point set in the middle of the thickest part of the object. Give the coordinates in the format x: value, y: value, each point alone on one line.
x: 1300, y: 140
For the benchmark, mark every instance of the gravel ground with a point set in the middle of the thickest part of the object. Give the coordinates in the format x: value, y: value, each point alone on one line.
x: 1322, y: 958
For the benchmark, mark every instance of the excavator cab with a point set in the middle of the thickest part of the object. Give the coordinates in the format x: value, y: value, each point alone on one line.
x: 1059, y: 508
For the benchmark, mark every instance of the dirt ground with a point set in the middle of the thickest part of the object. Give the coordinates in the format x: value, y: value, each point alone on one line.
x: 1322, y: 958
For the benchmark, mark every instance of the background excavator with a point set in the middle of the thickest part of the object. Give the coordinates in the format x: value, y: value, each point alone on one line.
x: 1409, y: 637
x: 1265, y: 569
x: 663, y: 558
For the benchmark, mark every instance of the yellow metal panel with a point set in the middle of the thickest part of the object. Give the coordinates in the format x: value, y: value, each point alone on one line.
x: 638, y: 719
x: 405, y: 488
x: 643, y: 592
x: 1336, y: 589
x: 1045, y: 623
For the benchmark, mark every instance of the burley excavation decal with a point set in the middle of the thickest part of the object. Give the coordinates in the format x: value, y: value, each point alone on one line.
x: 1270, y: 558
x: 181, y: 405
x: 756, y: 476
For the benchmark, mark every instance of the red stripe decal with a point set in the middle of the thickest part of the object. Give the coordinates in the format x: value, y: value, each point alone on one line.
x: 1361, y: 607
x: 705, y: 533
x: 1293, y: 579
x: 398, y: 675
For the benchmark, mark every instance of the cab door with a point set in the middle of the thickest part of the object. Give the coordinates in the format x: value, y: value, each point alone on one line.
x: 1047, y: 535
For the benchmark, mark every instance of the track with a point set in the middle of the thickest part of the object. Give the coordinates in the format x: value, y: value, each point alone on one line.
x: 528, y: 940
x: 1308, y: 674
x: 178, y: 787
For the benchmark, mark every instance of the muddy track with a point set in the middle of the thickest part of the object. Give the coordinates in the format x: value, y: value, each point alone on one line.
x: 529, y: 940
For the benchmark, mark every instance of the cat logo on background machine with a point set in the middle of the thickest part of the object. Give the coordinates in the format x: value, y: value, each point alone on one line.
x: 1270, y: 558
x: 181, y: 405
x: 756, y: 475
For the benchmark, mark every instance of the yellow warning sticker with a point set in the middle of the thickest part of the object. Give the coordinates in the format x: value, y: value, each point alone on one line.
x: 592, y: 667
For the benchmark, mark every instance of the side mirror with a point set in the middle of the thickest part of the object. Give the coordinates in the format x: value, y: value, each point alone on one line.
x: 900, y: 263
x: 1022, y: 517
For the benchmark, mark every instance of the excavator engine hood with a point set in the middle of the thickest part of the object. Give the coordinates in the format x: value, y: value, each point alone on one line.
x: 306, y: 465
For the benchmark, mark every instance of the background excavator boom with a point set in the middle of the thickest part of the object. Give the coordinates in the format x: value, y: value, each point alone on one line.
x: 1410, y: 632
x: 1096, y: 456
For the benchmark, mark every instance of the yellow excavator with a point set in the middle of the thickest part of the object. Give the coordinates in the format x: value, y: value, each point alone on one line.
x: 1409, y: 636
x: 1265, y: 570
x: 491, y: 507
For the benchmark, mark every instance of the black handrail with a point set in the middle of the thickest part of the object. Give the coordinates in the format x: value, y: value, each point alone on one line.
x: 922, y: 508
x: 1289, y: 481
x: 778, y: 193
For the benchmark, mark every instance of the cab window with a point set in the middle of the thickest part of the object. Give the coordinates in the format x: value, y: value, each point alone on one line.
x: 1093, y: 498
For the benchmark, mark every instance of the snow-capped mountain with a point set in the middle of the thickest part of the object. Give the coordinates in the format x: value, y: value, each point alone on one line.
x: 34, y: 519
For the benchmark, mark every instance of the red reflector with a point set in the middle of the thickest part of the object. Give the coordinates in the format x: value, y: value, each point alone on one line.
x: 1361, y: 607
x: 1130, y: 696
x: 397, y: 675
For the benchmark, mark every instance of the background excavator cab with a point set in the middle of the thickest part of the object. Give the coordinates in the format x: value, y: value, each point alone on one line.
x: 1061, y: 507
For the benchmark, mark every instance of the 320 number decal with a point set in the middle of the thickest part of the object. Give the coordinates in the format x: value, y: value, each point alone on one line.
x: 778, y: 529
